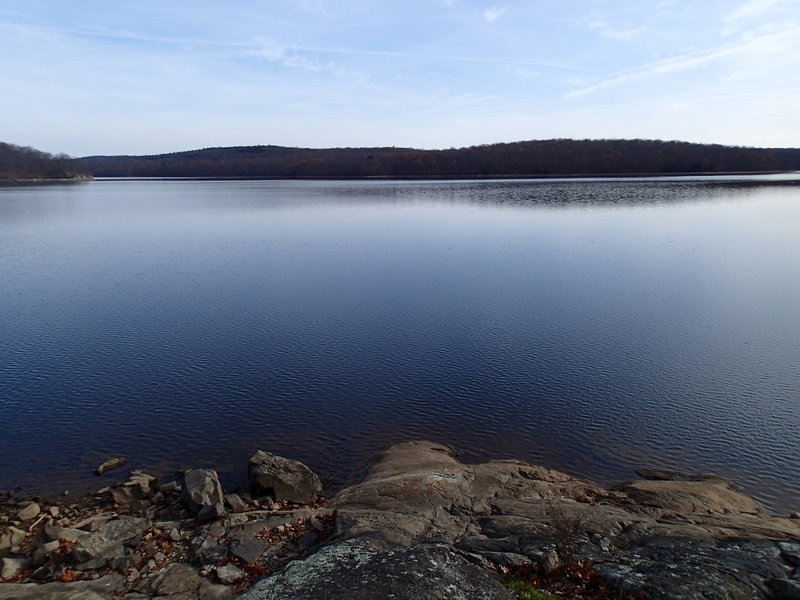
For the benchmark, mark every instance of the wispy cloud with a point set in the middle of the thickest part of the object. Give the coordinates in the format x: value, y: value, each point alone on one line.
x: 752, y: 8
x: 772, y: 43
x: 425, y: 57
x: 624, y: 33
x: 493, y: 13
x: 296, y: 59
x: 273, y: 50
x: 118, y: 34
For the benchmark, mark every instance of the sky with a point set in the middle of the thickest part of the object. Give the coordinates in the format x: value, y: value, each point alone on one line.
x: 147, y: 77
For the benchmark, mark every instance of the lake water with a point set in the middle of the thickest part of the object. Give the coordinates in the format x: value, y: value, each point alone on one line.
x: 594, y: 326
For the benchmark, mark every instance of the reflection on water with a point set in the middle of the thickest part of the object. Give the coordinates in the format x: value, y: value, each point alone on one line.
x: 593, y: 326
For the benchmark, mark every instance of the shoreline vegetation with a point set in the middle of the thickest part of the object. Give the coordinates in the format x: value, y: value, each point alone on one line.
x: 536, y: 158
x: 509, y: 177
x: 420, y: 524
x: 21, y: 164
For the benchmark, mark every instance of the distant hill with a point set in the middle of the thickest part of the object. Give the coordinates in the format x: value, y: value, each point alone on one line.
x: 22, y: 163
x: 517, y: 159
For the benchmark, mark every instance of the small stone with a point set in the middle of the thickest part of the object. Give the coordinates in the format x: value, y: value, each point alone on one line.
x: 175, y: 535
x: 16, y: 536
x: 275, y: 506
x: 66, y: 492
x: 133, y: 575
x: 43, y: 572
x: 206, y: 549
x: 123, y: 563
x: 229, y: 574
x: 12, y: 567
x: 29, y: 512
x: 235, y: 502
x: 54, y: 511
x: 249, y: 549
x: 795, y: 515
x: 790, y: 552
x: 211, y: 512
x: 171, y: 487
x: 151, y: 564
x: 159, y: 557
x: 50, y: 547
x: 307, y: 541
x: 111, y: 463
x: 550, y: 561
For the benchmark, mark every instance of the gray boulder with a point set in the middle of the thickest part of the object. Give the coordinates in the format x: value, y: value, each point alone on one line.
x: 205, y: 549
x: 11, y: 567
x: 249, y: 549
x: 29, y: 512
x: 230, y: 574
x: 183, y: 582
x: 358, y: 569
x: 111, y: 463
x: 283, y: 478
x: 69, y: 534
x: 93, y: 550
x: 137, y: 491
x: 235, y: 502
x: 202, y: 494
x: 11, y: 537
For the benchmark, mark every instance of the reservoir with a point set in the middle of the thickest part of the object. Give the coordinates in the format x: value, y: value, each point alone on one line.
x: 594, y: 326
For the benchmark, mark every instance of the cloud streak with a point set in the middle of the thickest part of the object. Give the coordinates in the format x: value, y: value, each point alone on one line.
x: 771, y: 42
x: 751, y: 9
x: 493, y: 13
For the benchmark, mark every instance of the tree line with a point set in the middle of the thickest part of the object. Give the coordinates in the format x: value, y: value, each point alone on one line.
x: 522, y: 159
x: 21, y: 162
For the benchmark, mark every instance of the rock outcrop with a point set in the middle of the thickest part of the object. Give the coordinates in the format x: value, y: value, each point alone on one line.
x: 420, y: 525
x: 661, y: 539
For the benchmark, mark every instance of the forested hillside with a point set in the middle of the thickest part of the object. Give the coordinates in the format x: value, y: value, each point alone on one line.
x: 532, y: 158
x: 18, y: 162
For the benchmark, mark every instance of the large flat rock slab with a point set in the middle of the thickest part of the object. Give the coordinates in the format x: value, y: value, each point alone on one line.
x: 359, y: 569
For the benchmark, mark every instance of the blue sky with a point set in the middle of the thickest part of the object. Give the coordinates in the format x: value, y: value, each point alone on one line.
x: 142, y: 76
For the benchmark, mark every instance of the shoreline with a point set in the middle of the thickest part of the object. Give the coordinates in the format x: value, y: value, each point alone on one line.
x: 80, y: 179
x: 476, y: 177
x: 484, y: 523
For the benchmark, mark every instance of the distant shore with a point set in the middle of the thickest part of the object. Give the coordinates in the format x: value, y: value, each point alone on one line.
x: 446, y: 177
x: 79, y: 179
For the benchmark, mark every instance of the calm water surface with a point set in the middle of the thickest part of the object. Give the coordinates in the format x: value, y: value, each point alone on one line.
x: 592, y: 326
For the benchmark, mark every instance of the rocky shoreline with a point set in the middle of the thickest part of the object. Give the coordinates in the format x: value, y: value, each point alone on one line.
x: 419, y: 525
